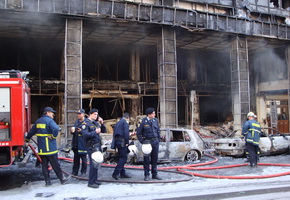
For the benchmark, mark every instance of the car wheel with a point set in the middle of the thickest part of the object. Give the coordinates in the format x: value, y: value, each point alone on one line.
x: 192, y: 155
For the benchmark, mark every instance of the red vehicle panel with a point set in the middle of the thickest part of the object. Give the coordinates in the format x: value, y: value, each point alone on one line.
x: 14, y: 115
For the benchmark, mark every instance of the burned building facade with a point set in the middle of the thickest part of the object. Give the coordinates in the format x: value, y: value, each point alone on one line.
x: 196, y: 61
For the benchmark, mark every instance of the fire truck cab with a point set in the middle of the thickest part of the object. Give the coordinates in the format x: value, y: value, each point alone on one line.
x: 14, y: 115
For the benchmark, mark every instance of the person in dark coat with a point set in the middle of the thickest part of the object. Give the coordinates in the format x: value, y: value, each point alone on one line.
x: 121, y: 142
x: 46, y: 131
x: 102, y: 125
x: 252, y: 133
x: 148, y: 132
x: 91, y: 132
x: 78, y: 145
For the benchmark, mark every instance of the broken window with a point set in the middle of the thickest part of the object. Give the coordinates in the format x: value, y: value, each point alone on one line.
x: 186, y: 137
x: 176, y: 136
x: 285, y: 4
x: 275, y: 3
x: 162, y: 136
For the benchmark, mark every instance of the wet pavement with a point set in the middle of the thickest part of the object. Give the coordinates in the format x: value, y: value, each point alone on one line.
x: 14, y: 177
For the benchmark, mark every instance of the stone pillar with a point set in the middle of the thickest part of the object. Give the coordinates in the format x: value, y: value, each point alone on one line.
x: 288, y: 68
x: 73, y: 71
x: 191, y: 65
x: 167, y: 64
x: 240, y: 81
x: 135, y: 77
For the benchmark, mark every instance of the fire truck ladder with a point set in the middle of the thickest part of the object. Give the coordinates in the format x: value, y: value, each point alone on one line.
x: 73, y: 72
x: 167, y: 63
x: 240, y: 80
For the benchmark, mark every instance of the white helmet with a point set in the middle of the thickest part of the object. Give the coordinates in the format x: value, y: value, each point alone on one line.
x: 251, y: 114
x: 97, y: 157
x: 146, y: 149
x: 133, y: 150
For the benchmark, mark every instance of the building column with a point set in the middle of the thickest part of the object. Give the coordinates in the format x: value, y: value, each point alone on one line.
x: 135, y: 77
x: 73, y: 71
x: 192, y: 77
x: 240, y: 81
x: 288, y: 68
x: 167, y: 65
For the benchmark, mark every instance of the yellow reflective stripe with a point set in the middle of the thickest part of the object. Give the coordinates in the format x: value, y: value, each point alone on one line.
x: 46, y: 144
x: 81, y: 151
x: 256, y: 125
x: 53, y: 136
x: 48, y: 153
x: 43, y: 135
x: 251, y: 129
x: 42, y: 126
x: 80, y: 135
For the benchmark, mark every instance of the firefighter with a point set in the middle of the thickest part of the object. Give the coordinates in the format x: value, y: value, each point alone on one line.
x: 148, y: 132
x: 46, y: 131
x: 252, y: 132
x: 121, y: 142
x: 91, y: 132
x: 78, y: 145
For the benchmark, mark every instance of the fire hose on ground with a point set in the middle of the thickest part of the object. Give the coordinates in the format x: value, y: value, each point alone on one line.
x: 185, y: 170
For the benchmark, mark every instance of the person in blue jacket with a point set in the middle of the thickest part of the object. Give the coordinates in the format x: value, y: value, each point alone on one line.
x: 78, y: 145
x: 91, y: 133
x: 46, y: 131
x: 252, y: 133
x: 121, y: 142
x: 148, y: 132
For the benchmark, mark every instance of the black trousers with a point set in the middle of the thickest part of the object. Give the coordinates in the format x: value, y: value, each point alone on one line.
x: 53, y: 160
x: 122, y: 154
x: 253, y: 153
x: 76, y: 166
x: 93, y: 173
x: 154, y: 159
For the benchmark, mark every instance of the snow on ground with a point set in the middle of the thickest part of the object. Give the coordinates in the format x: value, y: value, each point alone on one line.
x: 78, y: 190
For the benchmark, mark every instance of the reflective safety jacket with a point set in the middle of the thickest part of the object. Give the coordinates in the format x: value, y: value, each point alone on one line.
x: 44, y: 128
x: 78, y: 142
x: 92, y: 139
x: 252, y: 131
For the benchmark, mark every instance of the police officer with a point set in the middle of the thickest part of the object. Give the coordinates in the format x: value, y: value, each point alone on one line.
x: 102, y: 125
x: 91, y: 132
x: 252, y: 132
x: 78, y: 145
x: 46, y: 131
x: 121, y: 142
x: 148, y: 131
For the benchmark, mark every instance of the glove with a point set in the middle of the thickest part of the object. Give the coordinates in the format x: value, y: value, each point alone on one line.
x: 27, y: 140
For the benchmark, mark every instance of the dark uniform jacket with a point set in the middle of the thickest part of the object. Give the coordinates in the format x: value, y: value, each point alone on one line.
x: 78, y: 142
x: 121, y: 131
x: 103, y: 127
x: 92, y: 139
x: 148, y: 130
x: 43, y: 128
x: 252, y: 131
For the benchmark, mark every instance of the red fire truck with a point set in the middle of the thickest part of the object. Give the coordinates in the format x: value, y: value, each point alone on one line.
x: 14, y: 115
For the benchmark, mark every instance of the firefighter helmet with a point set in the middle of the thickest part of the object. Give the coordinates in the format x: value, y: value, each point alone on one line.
x: 97, y: 157
x: 250, y: 114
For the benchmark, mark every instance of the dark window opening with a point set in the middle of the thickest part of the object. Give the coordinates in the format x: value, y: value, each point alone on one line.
x: 176, y: 136
x: 285, y: 4
x: 275, y: 3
